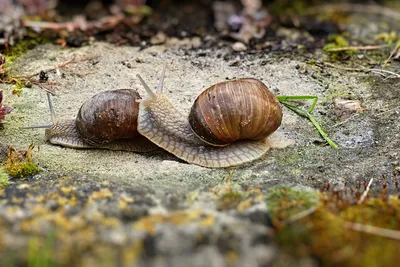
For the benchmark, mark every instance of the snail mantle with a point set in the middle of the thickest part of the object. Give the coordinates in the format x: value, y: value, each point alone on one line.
x: 230, y: 123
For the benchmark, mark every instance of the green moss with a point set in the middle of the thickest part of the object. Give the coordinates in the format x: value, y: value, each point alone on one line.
x: 19, y: 163
x: 17, y: 89
x: 4, y: 179
x: 387, y: 37
x: 14, y: 52
x: 311, y: 62
x: 337, y: 41
x: 285, y: 201
x: 229, y: 199
x: 11, y: 55
x: 325, y: 234
x: 22, y: 169
x: 336, y: 92
x: 288, y: 158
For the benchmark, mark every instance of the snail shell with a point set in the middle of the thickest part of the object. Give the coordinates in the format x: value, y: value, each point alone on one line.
x: 109, y: 116
x: 235, y: 110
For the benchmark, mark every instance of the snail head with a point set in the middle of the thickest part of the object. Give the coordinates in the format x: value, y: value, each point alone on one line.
x: 152, y: 96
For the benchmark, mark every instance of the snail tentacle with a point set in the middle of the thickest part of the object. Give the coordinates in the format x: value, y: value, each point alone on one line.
x: 150, y: 92
x: 51, y: 107
x: 160, y: 85
x: 46, y: 125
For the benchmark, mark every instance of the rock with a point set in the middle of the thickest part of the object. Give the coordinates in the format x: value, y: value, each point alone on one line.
x: 239, y: 47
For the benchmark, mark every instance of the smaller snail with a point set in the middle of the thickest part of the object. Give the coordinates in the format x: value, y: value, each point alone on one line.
x: 227, y: 125
x: 108, y: 120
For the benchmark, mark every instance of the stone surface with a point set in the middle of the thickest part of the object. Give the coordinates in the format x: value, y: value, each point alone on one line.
x: 170, y: 212
x: 367, y: 140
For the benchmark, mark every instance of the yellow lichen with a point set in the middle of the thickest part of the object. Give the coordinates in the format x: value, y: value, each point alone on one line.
x: 176, y: 218
x: 99, y: 195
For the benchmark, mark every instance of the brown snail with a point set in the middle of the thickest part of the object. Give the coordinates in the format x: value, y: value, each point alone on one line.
x: 227, y: 125
x: 108, y: 120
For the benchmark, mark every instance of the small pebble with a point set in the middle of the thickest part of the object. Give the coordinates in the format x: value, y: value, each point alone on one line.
x: 238, y: 47
x: 159, y: 38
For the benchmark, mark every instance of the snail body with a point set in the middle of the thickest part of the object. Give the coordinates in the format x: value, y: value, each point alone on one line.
x: 160, y: 126
x: 237, y: 116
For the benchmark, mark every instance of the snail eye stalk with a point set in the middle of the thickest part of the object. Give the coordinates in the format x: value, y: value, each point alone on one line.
x: 160, y: 86
x: 148, y: 90
x: 47, y: 125
x: 52, y: 116
x: 51, y: 107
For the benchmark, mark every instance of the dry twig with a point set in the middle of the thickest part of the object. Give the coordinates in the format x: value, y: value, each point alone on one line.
x: 382, y: 72
x: 368, y: 47
x: 104, y: 23
x: 61, y: 65
x: 395, y: 49
x: 345, y: 68
x: 366, y: 70
x: 369, y: 229
x: 365, y: 193
x: 48, y: 86
x: 301, y: 215
x: 346, y: 120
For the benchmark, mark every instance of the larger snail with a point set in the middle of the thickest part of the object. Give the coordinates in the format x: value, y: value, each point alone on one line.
x: 227, y: 126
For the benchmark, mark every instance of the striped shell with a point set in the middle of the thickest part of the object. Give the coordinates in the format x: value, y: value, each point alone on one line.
x: 109, y: 116
x: 235, y: 110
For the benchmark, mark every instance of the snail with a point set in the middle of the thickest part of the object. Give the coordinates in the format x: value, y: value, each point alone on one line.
x: 227, y: 125
x: 108, y: 120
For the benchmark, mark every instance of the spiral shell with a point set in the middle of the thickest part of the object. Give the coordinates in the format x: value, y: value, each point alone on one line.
x: 109, y: 116
x: 235, y: 110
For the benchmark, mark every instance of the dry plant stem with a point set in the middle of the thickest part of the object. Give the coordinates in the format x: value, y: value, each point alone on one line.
x: 103, y: 24
x: 388, y: 111
x: 301, y: 215
x: 35, y: 82
x: 344, y: 68
x: 362, y: 69
x: 369, y: 229
x: 365, y: 193
x: 346, y: 120
x: 369, y: 47
x: 62, y: 65
x: 44, y: 86
x: 381, y: 71
x: 391, y: 54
